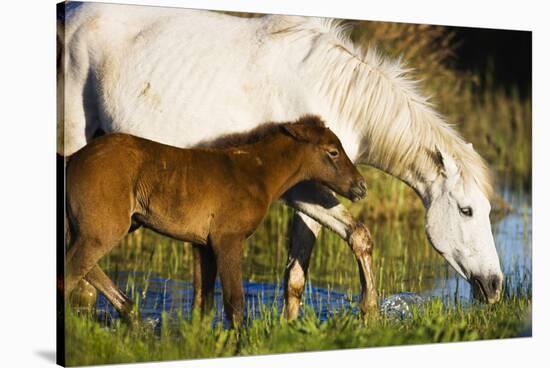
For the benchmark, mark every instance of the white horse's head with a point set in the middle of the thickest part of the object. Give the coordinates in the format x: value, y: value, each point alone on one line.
x: 458, y: 227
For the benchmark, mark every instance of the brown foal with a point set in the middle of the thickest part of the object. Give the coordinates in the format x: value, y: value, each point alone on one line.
x: 213, y: 198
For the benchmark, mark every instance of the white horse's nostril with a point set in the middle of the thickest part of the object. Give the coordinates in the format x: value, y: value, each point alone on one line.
x: 488, y: 288
x: 495, y: 283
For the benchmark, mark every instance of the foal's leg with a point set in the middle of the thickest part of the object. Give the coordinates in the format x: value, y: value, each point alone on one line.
x: 123, y: 305
x: 321, y: 205
x: 91, y: 244
x: 228, y: 251
x: 82, y: 256
x: 204, y: 277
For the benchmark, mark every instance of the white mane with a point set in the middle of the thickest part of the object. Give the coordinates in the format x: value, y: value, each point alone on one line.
x: 400, y: 127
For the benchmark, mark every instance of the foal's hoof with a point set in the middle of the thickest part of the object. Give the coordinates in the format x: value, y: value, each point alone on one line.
x: 84, y: 295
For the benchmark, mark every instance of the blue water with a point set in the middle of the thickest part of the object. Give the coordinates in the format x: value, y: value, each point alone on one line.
x: 175, y: 297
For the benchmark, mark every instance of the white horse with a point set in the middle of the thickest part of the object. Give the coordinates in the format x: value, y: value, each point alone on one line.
x: 185, y: 77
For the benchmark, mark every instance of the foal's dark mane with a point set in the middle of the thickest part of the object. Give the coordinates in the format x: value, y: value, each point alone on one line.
x: 258, y: 133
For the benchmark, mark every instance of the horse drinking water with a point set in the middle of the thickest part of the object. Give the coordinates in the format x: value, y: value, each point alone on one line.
x: 214, y: 198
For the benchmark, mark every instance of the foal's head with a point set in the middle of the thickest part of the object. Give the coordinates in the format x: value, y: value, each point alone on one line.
x: 326, y: 160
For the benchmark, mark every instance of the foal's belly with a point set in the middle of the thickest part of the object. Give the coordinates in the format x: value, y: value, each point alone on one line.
x: 190, y: 226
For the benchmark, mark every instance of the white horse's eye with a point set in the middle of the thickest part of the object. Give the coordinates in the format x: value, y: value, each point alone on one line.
x: 466, y: 211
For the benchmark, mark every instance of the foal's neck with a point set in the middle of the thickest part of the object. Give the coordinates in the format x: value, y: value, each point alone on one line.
x: 281, y: 162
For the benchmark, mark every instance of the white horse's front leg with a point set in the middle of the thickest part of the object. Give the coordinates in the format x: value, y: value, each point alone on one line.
x: 319, y: 206
x: 303, y: 234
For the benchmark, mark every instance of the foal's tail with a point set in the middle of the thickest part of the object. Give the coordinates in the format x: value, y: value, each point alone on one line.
x: 64, y: 233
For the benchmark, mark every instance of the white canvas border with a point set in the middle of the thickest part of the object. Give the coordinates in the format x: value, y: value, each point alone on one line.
x: 27, y: 183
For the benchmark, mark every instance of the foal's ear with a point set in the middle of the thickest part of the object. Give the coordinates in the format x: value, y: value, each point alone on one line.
x: 302, y: 132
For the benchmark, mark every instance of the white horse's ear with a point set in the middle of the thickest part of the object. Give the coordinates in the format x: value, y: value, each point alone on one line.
x: 471, y: 146
x: 446, y: 163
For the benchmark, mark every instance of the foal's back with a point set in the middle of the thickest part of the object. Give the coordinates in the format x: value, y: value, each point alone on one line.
x: 119, y: 179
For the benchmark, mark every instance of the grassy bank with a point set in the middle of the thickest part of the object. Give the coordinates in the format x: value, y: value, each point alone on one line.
x: 90, y: 343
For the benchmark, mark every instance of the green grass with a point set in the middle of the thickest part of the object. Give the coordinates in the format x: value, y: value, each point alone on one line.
x: 90, y: 343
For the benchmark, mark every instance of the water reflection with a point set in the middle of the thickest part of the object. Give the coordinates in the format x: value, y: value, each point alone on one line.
x: 175, y: 297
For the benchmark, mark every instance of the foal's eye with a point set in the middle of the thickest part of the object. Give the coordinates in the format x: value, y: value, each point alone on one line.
x: 467, y: 211
x: 333, y: 153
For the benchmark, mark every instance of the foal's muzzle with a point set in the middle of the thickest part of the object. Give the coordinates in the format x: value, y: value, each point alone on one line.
x: 358, y: 191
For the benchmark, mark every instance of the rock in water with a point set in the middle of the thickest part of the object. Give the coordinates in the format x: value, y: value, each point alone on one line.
x: 399, y: 305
